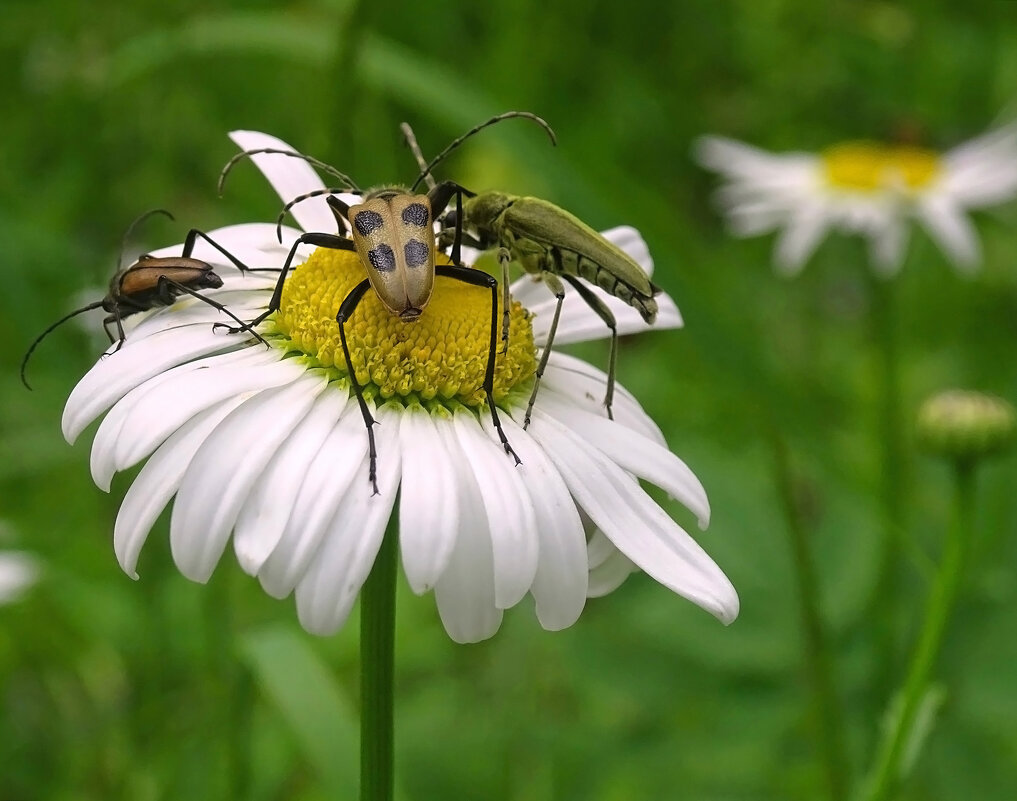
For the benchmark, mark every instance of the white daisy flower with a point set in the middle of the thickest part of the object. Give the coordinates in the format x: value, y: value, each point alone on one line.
x: 866, y: 188
x: 268, y: 444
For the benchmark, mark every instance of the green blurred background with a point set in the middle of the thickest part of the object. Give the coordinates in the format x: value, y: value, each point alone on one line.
x: 163, y: 689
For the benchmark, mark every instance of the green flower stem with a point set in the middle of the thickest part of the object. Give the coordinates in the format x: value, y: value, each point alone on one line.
x: 885, y: 605
x: 231, y: 671
x: 377, y: 658
x: 887, y: 768
x: 818, y: 663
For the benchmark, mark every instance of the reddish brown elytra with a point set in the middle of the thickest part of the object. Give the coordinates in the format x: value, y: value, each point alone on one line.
x: 149, y: 283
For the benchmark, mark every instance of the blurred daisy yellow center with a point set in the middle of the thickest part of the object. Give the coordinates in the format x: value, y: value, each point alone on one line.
x: 874, y: 167
x: 441, y: 356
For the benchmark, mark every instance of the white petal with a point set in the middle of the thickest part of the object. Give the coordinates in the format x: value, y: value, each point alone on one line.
x: 598, y: 547
x: 253, y: 244
x: 888, y: 245
x: 342, y: 564
x: 289, y: 177
x: 951, y: 230
x: 733, y: 158
x: 219, y: 479
x: 159, y: 480
x: 585, y: 385
x: 610, y: 574
x: 634, y: 523
x: 114, y: 376
x: 982, y: 171
x: 18, y: 572
x: 428, y: 509
x: 560, y: 585
x: 579, y: 323
x: 465, y: 592
x: 339, y: 464
x: 800, y: 238
x: 193, y: 313
x: 510, y: 516
x: 150, y: 413
x: 638, y: 455
x: 263, y: 518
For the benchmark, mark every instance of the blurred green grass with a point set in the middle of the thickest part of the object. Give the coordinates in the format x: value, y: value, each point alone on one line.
x: 115, y: 689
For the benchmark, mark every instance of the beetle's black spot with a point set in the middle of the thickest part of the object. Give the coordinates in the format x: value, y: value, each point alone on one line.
x: 368, y: 221
x: 416, y: 214
x: 416, y: 253
x: 382, y: 258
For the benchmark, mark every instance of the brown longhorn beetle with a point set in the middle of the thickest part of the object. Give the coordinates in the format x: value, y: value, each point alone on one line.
x: 151, y: 282
x: 392, y: 231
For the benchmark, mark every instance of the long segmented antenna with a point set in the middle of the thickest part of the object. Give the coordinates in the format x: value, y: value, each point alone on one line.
x: 99, y: 303
x: 411, y: 142
x: 44, y: 334
x: 456, y: 142
x: 332, y: 190
x: 130, y: 230
x: 321, y: 165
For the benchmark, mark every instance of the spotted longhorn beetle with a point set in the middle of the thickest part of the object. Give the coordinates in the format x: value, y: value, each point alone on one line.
x: 392, y: 231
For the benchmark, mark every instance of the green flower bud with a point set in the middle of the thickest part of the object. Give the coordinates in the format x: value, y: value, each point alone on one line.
x: 964, y: 425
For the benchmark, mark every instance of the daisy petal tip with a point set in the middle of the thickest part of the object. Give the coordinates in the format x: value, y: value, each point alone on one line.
x: 727, y: 611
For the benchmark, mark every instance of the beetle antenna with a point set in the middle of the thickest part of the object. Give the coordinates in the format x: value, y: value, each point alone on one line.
x: 411, y: 142
x: 44, y: 334
x: 476, y: 129
x: 135, y: 224
x: 321, y: 165
x: 332, y: 190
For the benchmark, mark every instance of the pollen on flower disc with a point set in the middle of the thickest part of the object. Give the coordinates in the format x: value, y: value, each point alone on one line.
x: 442, y: 355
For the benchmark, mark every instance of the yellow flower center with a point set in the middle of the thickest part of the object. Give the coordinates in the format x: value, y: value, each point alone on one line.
x: 875, y: 167
x: 441, y: 356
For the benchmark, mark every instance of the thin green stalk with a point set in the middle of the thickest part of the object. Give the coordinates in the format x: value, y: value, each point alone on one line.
x: 377, y: 660
x: 885, y: 606
x: 818, y: 662
x: 887, y: 767
x: 231, y: 672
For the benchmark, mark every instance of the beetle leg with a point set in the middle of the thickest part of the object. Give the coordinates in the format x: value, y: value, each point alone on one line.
x: 318, y: 240
x: 191, y: 238
x: 164, y: 287
x: 346, y: 309
x: 479, y: 278
x: 505, y: 258
x: 439, y: 198
x: 555, y: 285
x: 604, y: 313
x: 120, y: 329
x: 105, y: 327
x: 341, y: 212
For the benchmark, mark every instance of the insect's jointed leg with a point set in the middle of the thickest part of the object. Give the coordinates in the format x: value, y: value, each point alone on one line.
x: 168, y: 298
x: 504, y: 259
x: 604, y: 313
x: 318, y: 240
x: 555, y: 285
x: 192, y: 237
x: 346, y: 310
x: 479, y: 278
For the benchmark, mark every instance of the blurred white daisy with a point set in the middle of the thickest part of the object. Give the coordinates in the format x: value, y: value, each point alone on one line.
x: 866, y: 188
x: 269, y: 444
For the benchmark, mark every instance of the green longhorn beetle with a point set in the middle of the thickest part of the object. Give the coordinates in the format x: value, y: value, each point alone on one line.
x: 551, y: 244
x: 392, y: 231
